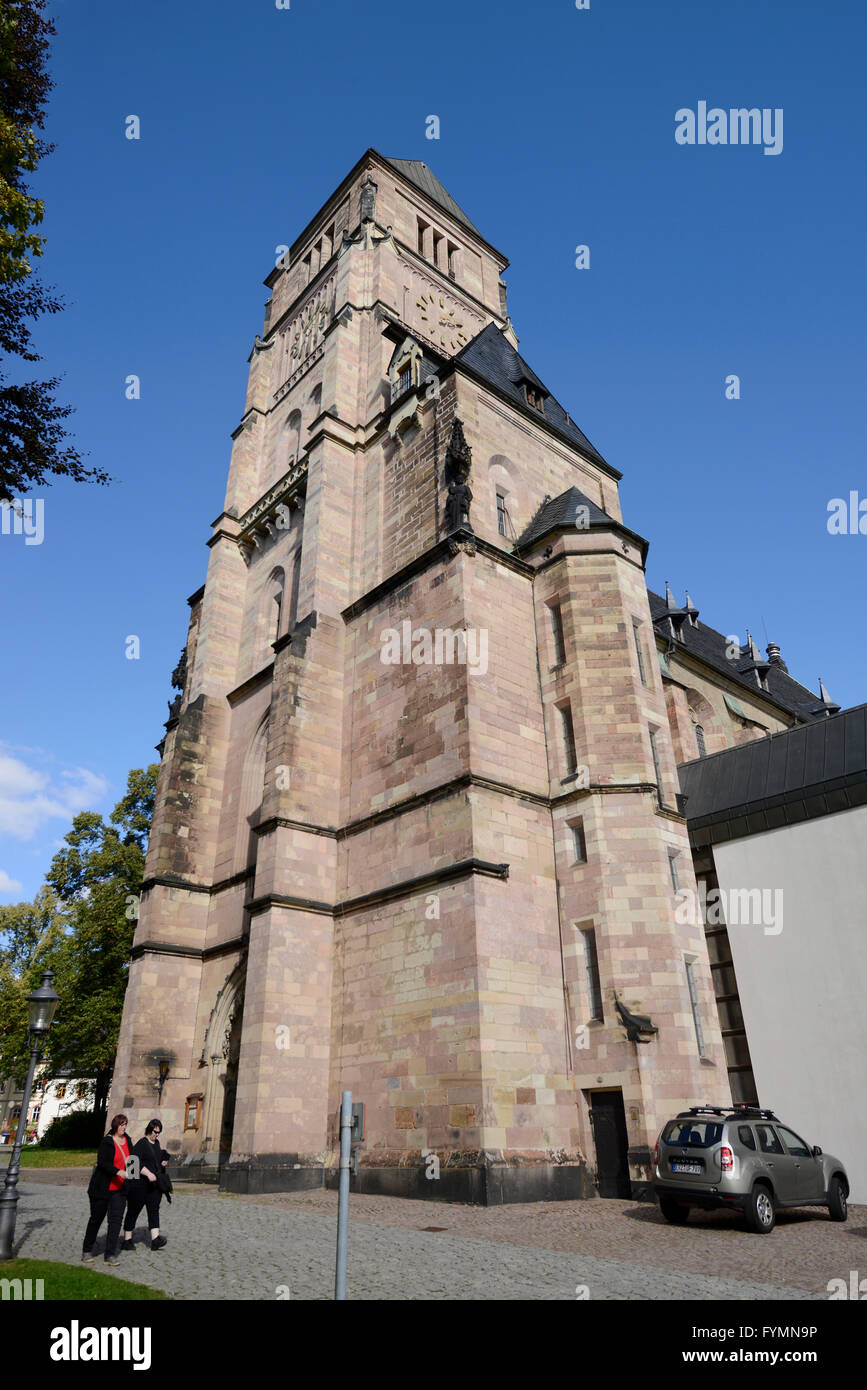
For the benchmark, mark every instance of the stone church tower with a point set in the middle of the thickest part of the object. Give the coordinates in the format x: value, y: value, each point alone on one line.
x: 417, y: 830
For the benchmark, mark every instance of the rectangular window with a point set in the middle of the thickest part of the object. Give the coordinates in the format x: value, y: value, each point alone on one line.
x: 639, y: 650
x: 80, y: 1091
x: 191, y: 1111
x: 579, y: 841
x: 699, y: 738
x: 453, y: 260
x: 422, y: 230
x: 501, y: 514
x: 328, y: 243
x: 654, y: 752
x: 306, y: 264
x: 437, y: 248
x: 672, y: 864
x: 693, y: 999
x: 61, y: 1091
x: 591, y: 965
x: 568, y: 737
x: 405, y: 379
x: 557, y: 632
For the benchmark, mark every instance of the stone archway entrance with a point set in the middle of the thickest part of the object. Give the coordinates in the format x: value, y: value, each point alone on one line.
x: 221, y: 1052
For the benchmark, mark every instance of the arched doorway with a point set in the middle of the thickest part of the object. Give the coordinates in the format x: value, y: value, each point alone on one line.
x: 221, y: 1052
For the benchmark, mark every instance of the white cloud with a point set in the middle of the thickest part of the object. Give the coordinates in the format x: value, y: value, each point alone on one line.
x: 29, y: 797
x: 9, y: 885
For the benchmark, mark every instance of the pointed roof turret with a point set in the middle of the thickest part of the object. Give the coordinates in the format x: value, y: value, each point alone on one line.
x: 755, y: 665
x: 827, y: 707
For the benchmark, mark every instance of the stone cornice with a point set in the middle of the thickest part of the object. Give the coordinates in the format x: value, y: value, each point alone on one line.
x: 252, y: 683
x: 603, y: 789
x: 201, y: 953
x: 447, y: 874
x: 617, y: 529
x: 440, y: 550
x: 247, y: 419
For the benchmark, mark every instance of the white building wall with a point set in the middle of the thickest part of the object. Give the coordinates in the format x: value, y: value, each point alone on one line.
x: 803, y: 987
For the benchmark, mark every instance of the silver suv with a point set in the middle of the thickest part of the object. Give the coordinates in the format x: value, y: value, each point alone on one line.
x: 742, y: 1157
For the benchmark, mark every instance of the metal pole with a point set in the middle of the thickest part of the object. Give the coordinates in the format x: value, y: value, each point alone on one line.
x: 343, y: 1193
x: 9, y: 1195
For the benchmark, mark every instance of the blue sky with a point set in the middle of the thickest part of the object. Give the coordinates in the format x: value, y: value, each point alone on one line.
x: 556, y: 129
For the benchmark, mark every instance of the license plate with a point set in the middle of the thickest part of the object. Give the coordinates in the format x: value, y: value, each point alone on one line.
x: 686, y: 1168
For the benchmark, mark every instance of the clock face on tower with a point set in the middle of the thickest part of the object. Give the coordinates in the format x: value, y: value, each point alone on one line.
x: 441, y: 321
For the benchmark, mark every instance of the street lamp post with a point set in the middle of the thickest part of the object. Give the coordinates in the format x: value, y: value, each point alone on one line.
x: 41, y: 1005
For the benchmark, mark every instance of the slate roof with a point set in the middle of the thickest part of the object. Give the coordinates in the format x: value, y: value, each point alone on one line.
x: 709, y: 646
x: 811, y: 770
x: 492, y: 356
x: 556, y: 512
x: 424, y: 179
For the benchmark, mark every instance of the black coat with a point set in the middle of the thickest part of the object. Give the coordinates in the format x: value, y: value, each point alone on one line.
x: 151, y: 1156
x: 105, y: 1170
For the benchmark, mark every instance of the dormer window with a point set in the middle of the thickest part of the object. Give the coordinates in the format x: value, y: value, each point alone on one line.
x: 535, y: 398
x: 404, y: 371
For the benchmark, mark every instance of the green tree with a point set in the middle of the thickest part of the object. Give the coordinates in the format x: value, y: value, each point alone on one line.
x: 33, y: 436
x: 94, y: 885
x: 30, y: 934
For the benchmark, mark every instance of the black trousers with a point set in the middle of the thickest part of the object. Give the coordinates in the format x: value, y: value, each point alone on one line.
x: 140, y: 1196
x: 113, y: 1204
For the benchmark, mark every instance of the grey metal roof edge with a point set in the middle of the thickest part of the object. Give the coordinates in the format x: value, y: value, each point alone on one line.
x: 457, y: 364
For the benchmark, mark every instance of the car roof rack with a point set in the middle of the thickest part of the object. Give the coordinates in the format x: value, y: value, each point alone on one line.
x: 740, y: 1111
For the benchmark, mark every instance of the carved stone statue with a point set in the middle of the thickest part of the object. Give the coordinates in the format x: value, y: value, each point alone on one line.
x: 458, y: 506
x: 459, y: 458
x: 368, y: 201
x: 179, y: 674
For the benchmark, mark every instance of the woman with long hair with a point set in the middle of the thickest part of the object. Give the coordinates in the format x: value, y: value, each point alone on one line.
x: 106, y: 1190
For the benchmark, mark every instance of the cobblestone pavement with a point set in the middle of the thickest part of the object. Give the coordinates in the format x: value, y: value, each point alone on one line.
x: 265, y: 1247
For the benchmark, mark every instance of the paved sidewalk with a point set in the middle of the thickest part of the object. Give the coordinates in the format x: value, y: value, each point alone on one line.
x: 229, y: 1248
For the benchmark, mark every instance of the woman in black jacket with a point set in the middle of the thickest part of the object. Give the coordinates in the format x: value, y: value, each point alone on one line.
x: 106, y: 1190
x: 148, y: 1188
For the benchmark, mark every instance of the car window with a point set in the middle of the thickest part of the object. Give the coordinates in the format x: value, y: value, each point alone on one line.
x: 694, y: 1134
x: 795, y: 1145
x: 746, y: 1137
x: 768, y: 1141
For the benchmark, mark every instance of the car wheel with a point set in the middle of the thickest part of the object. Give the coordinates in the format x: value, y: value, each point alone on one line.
x: 837, y: 1208
x: 759, y: 1211
x: 673, y: 1211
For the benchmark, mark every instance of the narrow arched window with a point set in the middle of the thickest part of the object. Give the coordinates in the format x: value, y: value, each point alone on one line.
x: 293, y: 437
x: 699, y: 738
x: 273, y: 604
x: 314, y: 406
x: 293, y: 594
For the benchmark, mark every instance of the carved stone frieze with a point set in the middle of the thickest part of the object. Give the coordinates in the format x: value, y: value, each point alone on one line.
x: 269, y: 516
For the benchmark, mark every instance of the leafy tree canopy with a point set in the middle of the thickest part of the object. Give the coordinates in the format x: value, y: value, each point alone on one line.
x: 81, y: 926
x: 33, y: 437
